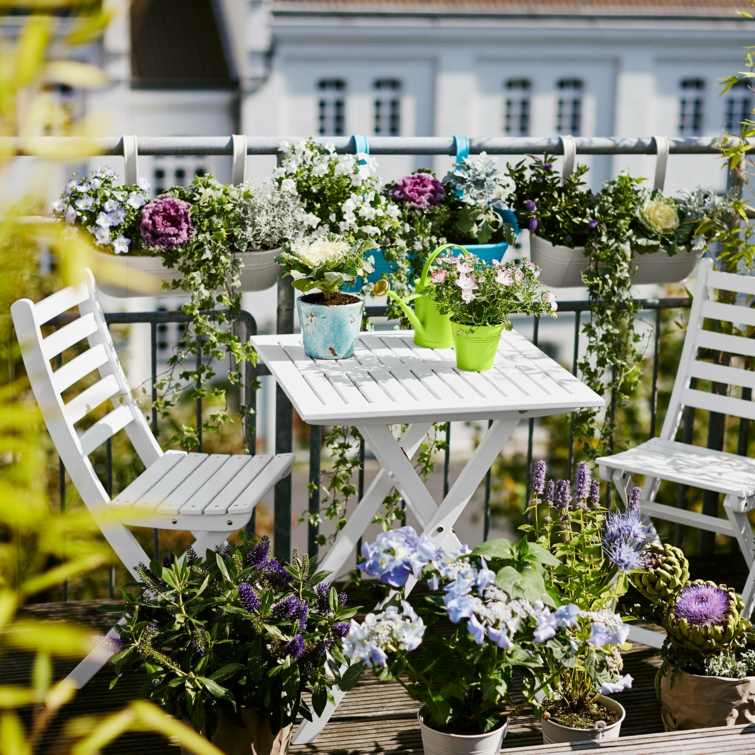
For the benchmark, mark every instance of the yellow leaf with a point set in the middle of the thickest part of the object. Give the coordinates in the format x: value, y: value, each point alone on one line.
x: 60, y: 694
x: 12, y: 736
x: 74, y: 74
x: 41, y: 675
x: 58, y: 639
x: 8, y: 605
x: 88, y: 27
x: 60, y: 574
x: 30, y: 50
x: 16, y: 697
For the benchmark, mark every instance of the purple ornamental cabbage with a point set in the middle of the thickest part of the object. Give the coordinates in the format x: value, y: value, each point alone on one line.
x: 166, y: 223
x: 420, y: 190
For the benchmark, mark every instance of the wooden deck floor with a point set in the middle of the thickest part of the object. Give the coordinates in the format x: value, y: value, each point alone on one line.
x: 373, y: 717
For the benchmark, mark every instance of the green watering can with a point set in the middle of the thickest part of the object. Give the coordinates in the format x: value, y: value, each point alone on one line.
x: 432, y: 329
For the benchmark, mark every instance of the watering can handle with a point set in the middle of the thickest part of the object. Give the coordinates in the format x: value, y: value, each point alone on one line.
x: 361, y: 148
x: 432, y: 257
x: 462, y: 147
x: 130, y: 155
x: 662, y: 147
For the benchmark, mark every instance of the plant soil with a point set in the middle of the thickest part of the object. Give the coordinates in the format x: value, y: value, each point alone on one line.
x: 330, y: 300
x: 585, y: 718
x: 465, y: 729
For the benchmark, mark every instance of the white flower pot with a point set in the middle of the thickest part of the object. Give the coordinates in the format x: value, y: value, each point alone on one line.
x: 554, y: 732
x: 562, y: 266
x: 259, y: 271
x: 436, y: 742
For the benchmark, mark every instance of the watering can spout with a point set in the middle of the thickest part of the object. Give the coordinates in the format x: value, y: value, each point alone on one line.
x: 417, y: 325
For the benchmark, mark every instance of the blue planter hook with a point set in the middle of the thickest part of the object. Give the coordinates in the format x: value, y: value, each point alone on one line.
x: 361, y: 148
x: 462, y: 147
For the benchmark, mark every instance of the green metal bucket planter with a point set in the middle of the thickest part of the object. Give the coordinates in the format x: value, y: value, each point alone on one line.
x: 476, y: 345
x: 432, y: 329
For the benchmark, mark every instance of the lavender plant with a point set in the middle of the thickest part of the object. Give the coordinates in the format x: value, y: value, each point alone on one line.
x: 501, y: 618
x: 240, y: 630
x: 596, y: 549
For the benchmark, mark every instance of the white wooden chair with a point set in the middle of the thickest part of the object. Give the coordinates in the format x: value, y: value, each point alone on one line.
x: 210, y: 495
x: 664, y: 459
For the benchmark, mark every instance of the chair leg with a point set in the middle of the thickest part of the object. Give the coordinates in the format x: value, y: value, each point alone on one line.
x: 748, y: 592
x: 106, y: 648
x: 742, y: 527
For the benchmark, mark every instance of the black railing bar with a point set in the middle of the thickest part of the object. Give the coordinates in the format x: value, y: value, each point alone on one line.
x: 531, y: 421
x: 153, y: 411
x: 198, y: 404
x: 109, y: 488
x: 379, y: 145
x: 360, y: 486
x: 486, y: 508
x: 447, y: 460
x: 313, y: 529
x: 575, y: 364
x: 654, y: 384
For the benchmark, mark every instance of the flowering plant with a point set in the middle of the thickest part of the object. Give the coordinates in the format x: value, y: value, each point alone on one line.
x: 476, y: 200
x: 165, y: 223
x: 596, y: 549
x: 324, y: 264
x: 271, y: 216
x: 558, y: 210
x: 475, y: 293
x: 107, y: 209
x: 238, y: 631
x: 501, y: 619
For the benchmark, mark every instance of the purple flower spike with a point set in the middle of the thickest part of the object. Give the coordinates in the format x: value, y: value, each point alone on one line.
x: 322, y: 590
x: 166, y: 223
x: 420, y: 190
x: 248, y: 597
x: 258, y: 555
x: 595, y: 494
x: 533, y: 224
x: 295, y: 647
x: 584, y: 479
x: 634, y: 499
x: 538, y: 477
x: 550, y: 492
x: 341, y: 629
x: 703, y: 604
x: 563, y: 494
x: 276, y: 573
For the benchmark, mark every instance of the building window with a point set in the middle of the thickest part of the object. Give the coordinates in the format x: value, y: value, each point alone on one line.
x: 516, y: 112
x: 737, y: 107
x: 331, y: 107
x: 691, y: 107
x: 386, y: 107
x: 167, y: 174
x: 569, y: 109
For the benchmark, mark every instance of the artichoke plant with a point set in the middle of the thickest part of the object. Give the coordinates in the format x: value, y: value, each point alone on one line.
x: 706, y: 618
x: 666, y: 573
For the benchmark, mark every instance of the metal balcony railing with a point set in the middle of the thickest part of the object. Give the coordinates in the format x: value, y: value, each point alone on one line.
x: 222, y: 145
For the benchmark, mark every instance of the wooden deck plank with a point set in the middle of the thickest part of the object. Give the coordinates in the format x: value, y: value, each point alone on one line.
x: 381, y: 718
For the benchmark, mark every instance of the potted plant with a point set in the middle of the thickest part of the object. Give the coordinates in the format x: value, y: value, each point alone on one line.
x: 232, y: 644
x: 330, y: 319
x: 594, y: 552
x: 344, y: 193
x: 480, y: 298
x: 707, y: 675
x: 558, y: 212
x: 476, y: 215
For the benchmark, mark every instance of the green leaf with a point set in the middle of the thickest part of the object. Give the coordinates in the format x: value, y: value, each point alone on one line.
x: 500, y: 548
x: 319, y: 699
x: 225, y: 671
x: 221, y: 566
x: 543, y: 555
x: 508, y: 579
x: 214, y: 688
x: 351, y: 676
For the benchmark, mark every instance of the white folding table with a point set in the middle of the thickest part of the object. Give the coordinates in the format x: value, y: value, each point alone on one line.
x: 392, y: 381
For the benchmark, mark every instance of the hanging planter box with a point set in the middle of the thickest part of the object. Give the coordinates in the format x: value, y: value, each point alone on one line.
x: 259, y: 271
x: 562, y: 266
x: 690, y: 701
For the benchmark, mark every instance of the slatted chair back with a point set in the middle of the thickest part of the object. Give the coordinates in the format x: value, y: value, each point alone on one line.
x: 49, y: 384
x: 706, y: 311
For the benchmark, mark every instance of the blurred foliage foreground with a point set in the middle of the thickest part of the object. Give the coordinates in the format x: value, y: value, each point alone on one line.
x: 38, y: 547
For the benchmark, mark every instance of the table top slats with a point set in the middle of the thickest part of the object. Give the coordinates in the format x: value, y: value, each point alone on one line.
x: 390, y: 380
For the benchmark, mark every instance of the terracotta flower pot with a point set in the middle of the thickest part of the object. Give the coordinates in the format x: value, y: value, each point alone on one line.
x: 249, y: 734
x: 436, y: 742
x: 556, y: 732
x: 259, y: 271
x: 690, y: 701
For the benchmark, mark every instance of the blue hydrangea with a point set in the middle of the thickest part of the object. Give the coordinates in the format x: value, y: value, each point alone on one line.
x: 397, y: 555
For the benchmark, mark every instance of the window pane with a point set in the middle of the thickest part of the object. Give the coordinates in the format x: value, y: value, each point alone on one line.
x: 516, y: 107
x: 691, y: 107
x: 331, y: 106
x: 386, y: 107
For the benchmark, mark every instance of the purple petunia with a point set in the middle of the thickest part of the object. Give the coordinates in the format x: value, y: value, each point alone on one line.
x: 248, y: 597
x: 166, y: 223
x: 295, y: 647
x: 703, y: 604
x: 420, y: 190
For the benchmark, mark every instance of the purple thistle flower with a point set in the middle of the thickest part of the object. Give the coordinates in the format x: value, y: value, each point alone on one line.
x: 563, y: 494
x: 702, y: 604
x: 624, y: 539
x: 584, y: 478
x: 530, y: 204
x: 539, y: 470
x: 595, y: 494
x: 166, y: 223
x: 420, y: 190
x: 248, y: 597
x: 533, y: 224
x: 625, y: 555
x: 550, y: 492
x: 258, y: 555
x: 295, y: 647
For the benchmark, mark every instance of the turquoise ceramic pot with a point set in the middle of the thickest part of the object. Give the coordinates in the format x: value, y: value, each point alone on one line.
x: 486, y: 252
x: 383, y: 269
x: 329, y: 332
